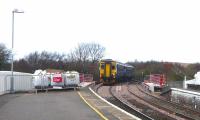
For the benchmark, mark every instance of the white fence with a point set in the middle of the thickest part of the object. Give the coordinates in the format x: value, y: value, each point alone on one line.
x: 22, y: 81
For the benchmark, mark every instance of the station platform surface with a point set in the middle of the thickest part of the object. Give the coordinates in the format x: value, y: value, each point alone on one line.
x: 58, y: 105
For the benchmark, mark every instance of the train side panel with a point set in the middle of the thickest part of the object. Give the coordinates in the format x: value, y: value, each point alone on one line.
x: 124, y: 72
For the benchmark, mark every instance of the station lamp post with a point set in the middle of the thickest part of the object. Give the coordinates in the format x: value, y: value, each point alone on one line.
x: 12, y: 78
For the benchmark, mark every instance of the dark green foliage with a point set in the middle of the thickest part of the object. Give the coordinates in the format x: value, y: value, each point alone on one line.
x: 44, y: 60
x: 192, y: 69
x: 22, y: 66
x: 4, y: 57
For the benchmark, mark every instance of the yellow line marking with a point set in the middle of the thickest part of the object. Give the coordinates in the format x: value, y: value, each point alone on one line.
x: 97, y: 111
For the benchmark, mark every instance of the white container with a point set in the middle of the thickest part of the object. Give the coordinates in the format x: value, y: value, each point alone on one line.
x: 57, y: 80
x: 72, y: 79
x: 40, y: 80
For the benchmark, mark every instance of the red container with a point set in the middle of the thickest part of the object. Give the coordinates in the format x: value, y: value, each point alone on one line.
x: 57, y: 80
x: 158, y: 79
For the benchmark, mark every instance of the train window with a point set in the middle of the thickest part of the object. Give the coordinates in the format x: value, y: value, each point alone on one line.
x: 113, y: 67
x: 102, y: 66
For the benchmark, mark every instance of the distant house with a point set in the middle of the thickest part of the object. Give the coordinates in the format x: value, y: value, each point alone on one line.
x: 194, y: 83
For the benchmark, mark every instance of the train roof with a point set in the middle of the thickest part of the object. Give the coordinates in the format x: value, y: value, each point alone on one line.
x: 107, y: 60
x: 123, y: 64
x: 126, y: 65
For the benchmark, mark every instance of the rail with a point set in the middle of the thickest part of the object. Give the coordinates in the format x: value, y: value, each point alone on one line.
x: 177, y: 108
x: 139, y: 114
x: 121, y: 103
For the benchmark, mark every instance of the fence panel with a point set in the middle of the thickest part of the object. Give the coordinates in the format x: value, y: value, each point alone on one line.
x: 86, y: 77
x: 175, y: 84
x: 2, y: 85
x: 22, y: 81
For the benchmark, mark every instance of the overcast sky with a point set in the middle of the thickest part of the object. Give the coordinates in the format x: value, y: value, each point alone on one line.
x: 163, y: 30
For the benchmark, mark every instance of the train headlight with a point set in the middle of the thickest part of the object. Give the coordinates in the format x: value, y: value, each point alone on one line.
x: 101, y: 75
x: 113, y: 75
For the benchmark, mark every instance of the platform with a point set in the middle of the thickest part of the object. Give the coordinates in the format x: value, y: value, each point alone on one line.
x: 58, y: 105
x: 108, y: 111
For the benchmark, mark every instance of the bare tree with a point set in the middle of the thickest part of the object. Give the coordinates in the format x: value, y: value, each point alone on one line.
x: 45, y: 60
x: 96, y: 51
x: 33, y: 60
x: 48, y: 56
x: 83, y: 58
x: 84, y: 54
x: 88, y: 52
x: 71, y: 57
x: 81, y: 53
x: 22, y: 65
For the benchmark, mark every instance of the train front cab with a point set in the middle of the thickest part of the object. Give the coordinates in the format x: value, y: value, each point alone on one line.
x: 107, y: 72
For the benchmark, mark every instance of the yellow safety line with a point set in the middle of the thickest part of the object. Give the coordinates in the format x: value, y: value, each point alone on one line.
x: 97, y: 111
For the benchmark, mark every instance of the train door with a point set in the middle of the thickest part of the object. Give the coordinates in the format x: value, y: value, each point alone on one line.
x: 108, y: 70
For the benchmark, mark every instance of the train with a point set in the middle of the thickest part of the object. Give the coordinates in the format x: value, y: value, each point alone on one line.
x: 112, y: 72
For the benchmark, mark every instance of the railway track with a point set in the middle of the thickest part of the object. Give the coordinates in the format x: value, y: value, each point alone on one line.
x: 170, y: 107
x: 141, y: 105
x: 114, y: 100
x: 123, y: 100
x: 175, y: 104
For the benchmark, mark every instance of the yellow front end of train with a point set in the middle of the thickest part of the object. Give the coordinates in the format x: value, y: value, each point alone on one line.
x: 108, y: 71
